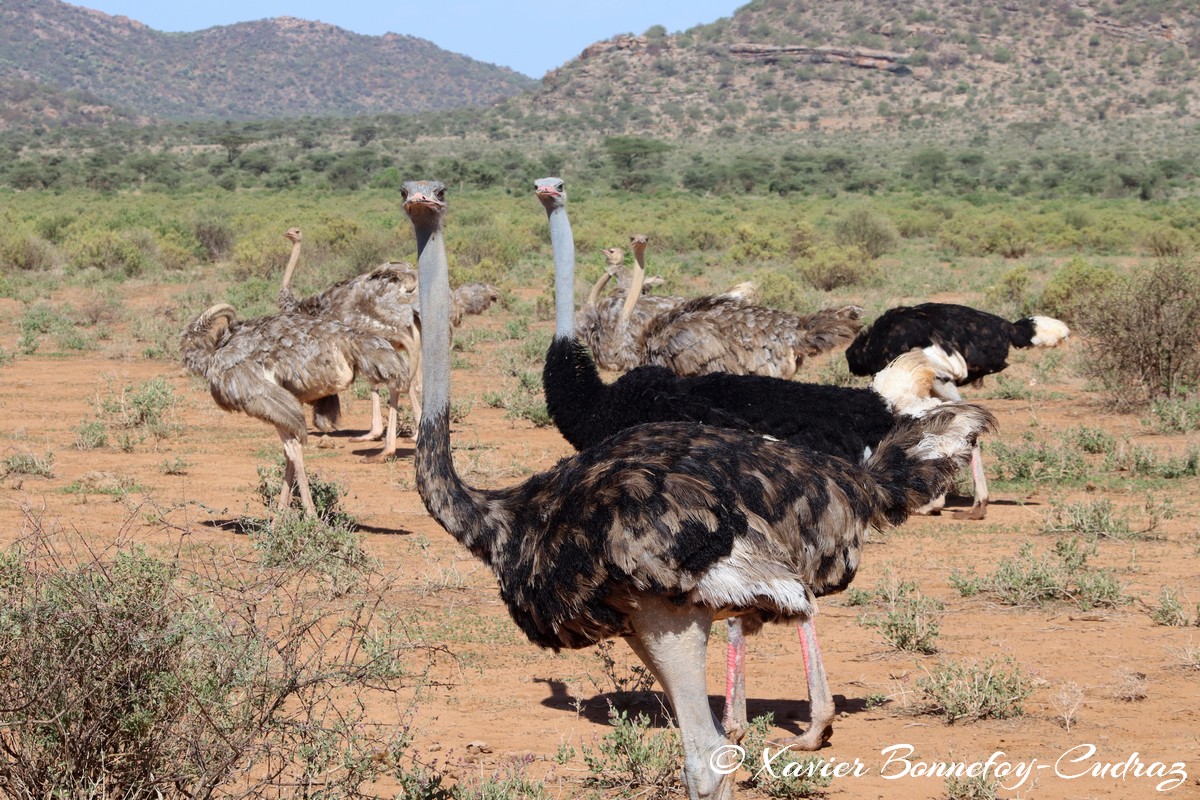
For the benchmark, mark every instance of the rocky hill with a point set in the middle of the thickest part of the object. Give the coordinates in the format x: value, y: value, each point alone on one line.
x: 255, y: 70
x: 874, y: 65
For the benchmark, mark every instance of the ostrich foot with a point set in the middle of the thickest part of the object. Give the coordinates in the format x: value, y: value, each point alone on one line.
x: 370, y: 436
x: 816, y: 737
x: 975, y: 512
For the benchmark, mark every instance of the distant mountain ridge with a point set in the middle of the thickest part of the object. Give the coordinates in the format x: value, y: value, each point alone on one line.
x: 283, y: 67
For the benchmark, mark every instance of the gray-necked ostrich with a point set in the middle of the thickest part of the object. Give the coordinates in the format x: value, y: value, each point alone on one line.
x: 663, y: 528
x: 726, y: 333
x: 840, y: 421
x: 267, y: 367
x: 379, y: 302
x: 980, y: 339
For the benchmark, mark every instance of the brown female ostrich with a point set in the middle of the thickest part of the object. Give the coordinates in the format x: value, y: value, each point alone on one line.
x: 726, y: 334
x: 663, y: 528
x: 379, y: 302
x: 267, y: 367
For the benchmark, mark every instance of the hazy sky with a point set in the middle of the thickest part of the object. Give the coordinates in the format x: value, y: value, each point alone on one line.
x: 531, y: 36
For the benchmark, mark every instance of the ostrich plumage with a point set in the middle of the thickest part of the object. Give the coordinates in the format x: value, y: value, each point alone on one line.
x: 267, y: 367
x: 841, y: 421
x: 663, y: 528
x: 378, y: 302
x: 980, y: 339
x: 611, y: 326
x: 725, y: 333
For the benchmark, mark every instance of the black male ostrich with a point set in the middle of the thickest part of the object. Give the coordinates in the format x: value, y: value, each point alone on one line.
x: 663, y: 528
x: 841, y: 421
x: 980, y: 339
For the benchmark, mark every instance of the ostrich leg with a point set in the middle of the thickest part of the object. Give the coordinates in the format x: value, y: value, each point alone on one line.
x: 734, y: 720
x: 672, y: 641
x: 820, y: 699
x: 389, y: 443
x: 979, y: 507
x: 294, y: 475
x: 376, y: 431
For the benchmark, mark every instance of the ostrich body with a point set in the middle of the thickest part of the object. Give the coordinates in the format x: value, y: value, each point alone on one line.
x: 725, y: 333
x: 378, y: 302
x: 981, y: 340
x: 268, y: 367
x: 661, y: 529
x: 840, y: 421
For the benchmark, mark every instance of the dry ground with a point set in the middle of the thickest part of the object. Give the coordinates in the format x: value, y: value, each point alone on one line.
x: 525, y: 702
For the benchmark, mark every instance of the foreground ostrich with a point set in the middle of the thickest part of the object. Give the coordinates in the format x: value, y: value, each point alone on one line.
x: 841, y: 421
x: 664, y: 528
x: 725, y: 333
x: 267, y: 367
x: 379, y: 302
x: 981, y: 340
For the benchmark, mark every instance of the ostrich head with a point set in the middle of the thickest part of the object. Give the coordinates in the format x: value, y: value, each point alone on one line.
x: 614, y: 257
x: 292, y: 235
x: 552, y: 192
x: 423, y: 200
x: 1048, y: 332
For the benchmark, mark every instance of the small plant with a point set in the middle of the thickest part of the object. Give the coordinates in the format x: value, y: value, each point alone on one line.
x: 967, y: 585
x: 632, y: 758
x: 137, y: 413
x: 1187, y: 656
x: 1092, y: 440
x: 1131, y: 686
x: 327, y: 495
x: 979, y: 787
x: 909, y: 624
x: 1091, y: 520
x: 1067, y: 703
x: 90, y: 435
x: 175, y: 466
x: 1169, y: 611
x: 626, y: 687
x: 993, y: 690
x: 789, y: 774
x: 29, y: 464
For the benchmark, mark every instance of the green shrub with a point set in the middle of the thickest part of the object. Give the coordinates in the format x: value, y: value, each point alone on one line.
x: 872, y: 233
x: 995, y: 689
x: 107, y: 251
x: 630, y: 757
x: 829, y: 268
x: 1073, y: 286
x: 1142, y: 344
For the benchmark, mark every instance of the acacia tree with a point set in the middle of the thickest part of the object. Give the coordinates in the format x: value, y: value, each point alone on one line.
x: 636, y: 160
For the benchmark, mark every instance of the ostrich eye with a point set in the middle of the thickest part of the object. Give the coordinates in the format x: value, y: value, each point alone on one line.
x: 558, y: 186
x: 441, y: 194
x: 404, y: 194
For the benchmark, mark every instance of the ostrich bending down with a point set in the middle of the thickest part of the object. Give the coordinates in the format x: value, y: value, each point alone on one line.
x: 379, y: 302
x: 844, y: 422
x: 664, y: 528
x: 725, y: 333
x: 267, y: 367
x: 981, y: 340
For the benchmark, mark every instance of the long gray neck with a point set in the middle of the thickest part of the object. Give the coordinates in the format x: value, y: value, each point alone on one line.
x: 563, y: 243
x: 434, y: 291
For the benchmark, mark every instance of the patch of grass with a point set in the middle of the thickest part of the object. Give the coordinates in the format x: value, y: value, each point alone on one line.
x: 1147, y: 462
x: 980, y: 787
x: 90, y: 435
x: 175, y: 466
x: 625, y: 686
x: 633, y: 759
x: 131, y: 415
x: 1007, y: 388
x: 1169, y: 611
x: 29, y: 464
x: 1038, y: 461
x: 789, y: 774
x: 908, y: 623
x: 1030, y: 579
x: 1092, y: 440
x: 1174, y: 415
x: 327, y: 495
x: 994, y: 689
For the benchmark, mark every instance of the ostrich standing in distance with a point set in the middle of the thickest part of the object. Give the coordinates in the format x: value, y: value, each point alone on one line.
x: 379, y: 302
x: 979, y: 339
x: 267, y: 367
x: 841, y: 421
x: 661, y: 529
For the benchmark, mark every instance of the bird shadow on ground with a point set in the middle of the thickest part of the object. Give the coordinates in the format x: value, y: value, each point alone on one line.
x: 247, y: 525
x: 790, y: 715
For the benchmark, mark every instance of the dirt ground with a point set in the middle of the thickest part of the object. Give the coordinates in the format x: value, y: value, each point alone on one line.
x: 525, y: 702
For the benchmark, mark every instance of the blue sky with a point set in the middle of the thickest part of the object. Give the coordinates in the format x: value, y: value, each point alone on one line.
x: 531, y: 36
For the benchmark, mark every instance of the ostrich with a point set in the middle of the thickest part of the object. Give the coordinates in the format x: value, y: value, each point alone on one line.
x: 663, y: 528
x: 841, y: 421
x: 267, y: 367
x: 979, y: 339
x: 727, y: 334
x: 377, y: 302
x: 610, y: 326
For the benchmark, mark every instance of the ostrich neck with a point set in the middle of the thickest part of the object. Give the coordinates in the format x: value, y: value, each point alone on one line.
x: 597, y: 288
x: 635, y: 287
x: 455, y: 505
x: 291, y: 268
x: 563, y: 243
